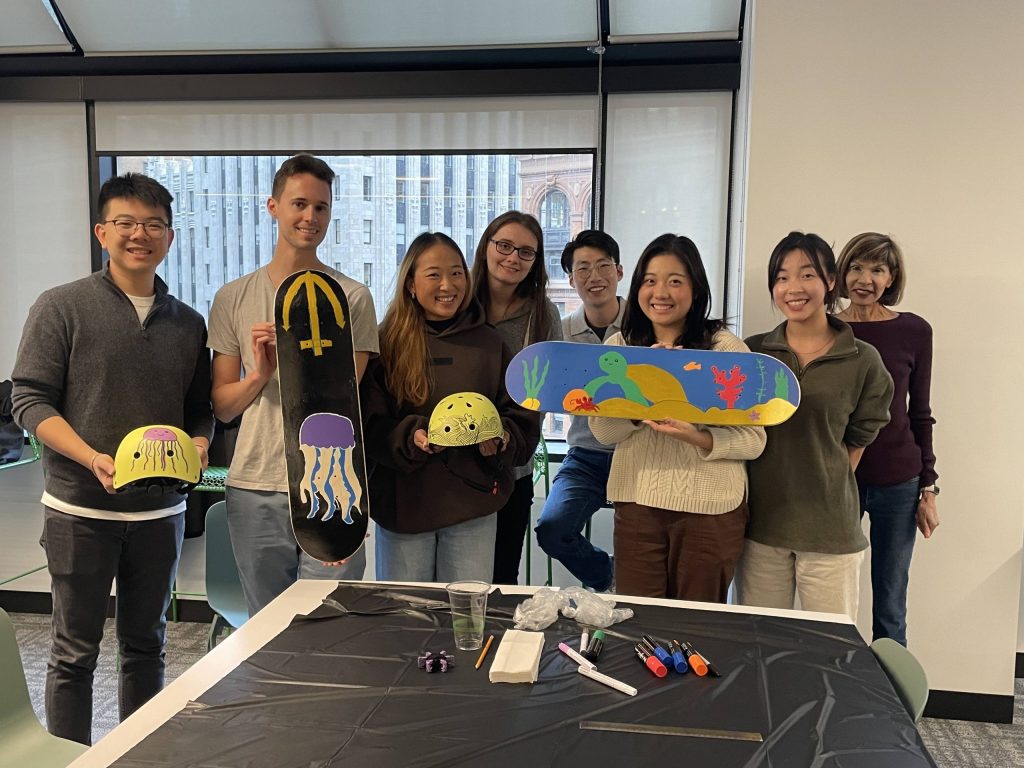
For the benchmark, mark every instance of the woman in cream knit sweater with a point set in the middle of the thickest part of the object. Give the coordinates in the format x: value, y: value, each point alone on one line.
x: 679, y: 489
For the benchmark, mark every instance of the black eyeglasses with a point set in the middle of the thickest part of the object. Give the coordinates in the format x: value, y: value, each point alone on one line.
x: 127, y: 227
x: 505, y: 248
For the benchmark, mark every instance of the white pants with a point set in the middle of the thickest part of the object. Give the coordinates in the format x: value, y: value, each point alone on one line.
x: 769, y: 577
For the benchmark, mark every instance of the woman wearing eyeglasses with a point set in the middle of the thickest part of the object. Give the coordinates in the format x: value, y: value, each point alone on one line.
x: 510, y: 282
x: 435, y: 507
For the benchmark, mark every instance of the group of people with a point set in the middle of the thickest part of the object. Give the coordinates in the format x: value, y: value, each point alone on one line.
x: 694, y: 505
x: 777, y: 511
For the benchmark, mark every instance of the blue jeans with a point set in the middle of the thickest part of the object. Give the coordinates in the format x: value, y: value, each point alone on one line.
x: 578, y: 491
x: 455, y: 553
x: 85, y: 556
x: 893, y: 513
x: 269, y: 559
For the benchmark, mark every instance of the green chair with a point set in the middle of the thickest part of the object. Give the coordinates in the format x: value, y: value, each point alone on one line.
x: 223, y: 587
x: 23, y: 740
x: 540, y: 472
x: 905, y: 672
x: 36, y: 455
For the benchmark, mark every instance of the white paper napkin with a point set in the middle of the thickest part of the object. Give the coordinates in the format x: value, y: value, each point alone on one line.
x: 518, y: 657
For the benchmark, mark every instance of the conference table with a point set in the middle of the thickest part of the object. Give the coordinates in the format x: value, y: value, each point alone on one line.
x: 327, y: 675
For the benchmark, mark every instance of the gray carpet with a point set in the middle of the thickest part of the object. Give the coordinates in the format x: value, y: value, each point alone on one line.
x: 953, y: 743
x: 960, y: 744
x: 186, y: 644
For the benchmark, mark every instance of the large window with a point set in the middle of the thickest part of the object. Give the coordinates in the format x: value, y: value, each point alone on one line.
x: 446, y: 165
x: 226, y: 200
x: 367, y: 237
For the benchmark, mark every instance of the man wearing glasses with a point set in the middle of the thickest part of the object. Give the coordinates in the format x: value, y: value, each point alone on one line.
x: 592, y: 262
x: 100, y: 357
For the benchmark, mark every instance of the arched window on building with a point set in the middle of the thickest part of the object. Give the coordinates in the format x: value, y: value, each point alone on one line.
x: 554, y: 220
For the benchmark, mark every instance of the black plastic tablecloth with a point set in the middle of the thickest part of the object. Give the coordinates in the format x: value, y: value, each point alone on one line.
x: 342, y: 688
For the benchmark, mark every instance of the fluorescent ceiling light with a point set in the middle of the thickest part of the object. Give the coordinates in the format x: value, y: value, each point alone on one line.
x: 670, y: 20
x: 265, y: 26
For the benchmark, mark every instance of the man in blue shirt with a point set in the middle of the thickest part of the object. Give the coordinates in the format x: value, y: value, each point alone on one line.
x: 591, y: 260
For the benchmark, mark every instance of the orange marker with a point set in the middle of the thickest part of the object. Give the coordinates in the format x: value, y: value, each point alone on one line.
x: 483, y: 653
x: 712, y: 670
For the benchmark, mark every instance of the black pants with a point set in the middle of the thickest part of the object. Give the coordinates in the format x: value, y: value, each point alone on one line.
x: 85, y: 556
x: 513, y: 520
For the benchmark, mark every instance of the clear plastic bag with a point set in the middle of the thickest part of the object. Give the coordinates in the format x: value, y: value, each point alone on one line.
x: 541, y: 610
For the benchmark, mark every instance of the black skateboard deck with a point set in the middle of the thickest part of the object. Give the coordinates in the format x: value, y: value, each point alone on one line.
x: 320, y: 410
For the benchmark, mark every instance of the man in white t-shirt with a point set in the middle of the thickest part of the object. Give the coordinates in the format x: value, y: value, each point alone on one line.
x: 245, y: 382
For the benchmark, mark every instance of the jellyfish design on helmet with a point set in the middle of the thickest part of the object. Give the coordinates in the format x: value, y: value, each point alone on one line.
x: 159, y: 448
x: 326, y: 441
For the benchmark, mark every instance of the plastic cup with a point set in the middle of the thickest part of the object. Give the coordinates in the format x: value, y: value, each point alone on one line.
x: 469, y: 609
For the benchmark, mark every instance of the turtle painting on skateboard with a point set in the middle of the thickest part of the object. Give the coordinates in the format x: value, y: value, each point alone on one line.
x: 320, y: 410
x: 694, y: 385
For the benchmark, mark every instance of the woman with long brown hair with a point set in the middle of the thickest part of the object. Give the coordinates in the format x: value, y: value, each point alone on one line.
x: 510, y: 282
x: 434, y: 506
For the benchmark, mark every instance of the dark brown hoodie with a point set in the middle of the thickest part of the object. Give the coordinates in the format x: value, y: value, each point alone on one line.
x: 412, y: 491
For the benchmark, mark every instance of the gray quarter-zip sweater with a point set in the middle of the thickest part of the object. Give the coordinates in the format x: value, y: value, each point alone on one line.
x: 85, y: 356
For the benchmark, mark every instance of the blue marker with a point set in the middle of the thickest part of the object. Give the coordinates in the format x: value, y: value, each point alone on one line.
x: 678, y: 658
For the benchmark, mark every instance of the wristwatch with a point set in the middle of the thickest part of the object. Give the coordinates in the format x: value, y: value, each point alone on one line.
x: 934, y: 489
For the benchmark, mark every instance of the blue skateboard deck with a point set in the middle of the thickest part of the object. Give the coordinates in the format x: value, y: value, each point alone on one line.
x: 698, y: 386
x: 320, y: 411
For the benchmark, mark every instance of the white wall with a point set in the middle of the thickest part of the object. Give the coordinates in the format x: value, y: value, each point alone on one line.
x: 44, y: 209
x: 907, y: 118
x: 44, y: 218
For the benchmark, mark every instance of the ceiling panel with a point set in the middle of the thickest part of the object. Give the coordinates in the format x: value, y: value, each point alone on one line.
x: 28, y: 27
x: 668, y: 20
x: 192, y: 26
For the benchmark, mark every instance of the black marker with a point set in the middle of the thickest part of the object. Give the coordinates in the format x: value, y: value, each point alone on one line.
x: 712, y: 670
x: 595, y: 647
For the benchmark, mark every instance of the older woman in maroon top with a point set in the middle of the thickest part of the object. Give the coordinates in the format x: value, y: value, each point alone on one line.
x: 896, y: 476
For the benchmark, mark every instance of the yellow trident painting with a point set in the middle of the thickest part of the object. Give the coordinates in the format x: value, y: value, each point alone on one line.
x: 311, y: 282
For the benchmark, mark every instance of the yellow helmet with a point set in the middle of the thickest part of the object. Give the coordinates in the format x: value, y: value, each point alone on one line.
x: 464, y: 418
x: 157, y: 455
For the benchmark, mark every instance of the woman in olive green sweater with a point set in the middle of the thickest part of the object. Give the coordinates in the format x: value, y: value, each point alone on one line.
x: 804, y: 535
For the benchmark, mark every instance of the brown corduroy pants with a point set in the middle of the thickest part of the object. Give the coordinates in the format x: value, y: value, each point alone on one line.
x: 680, y: 555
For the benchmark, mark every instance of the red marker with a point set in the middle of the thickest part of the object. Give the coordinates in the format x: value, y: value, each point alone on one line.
x: 651, y: 662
